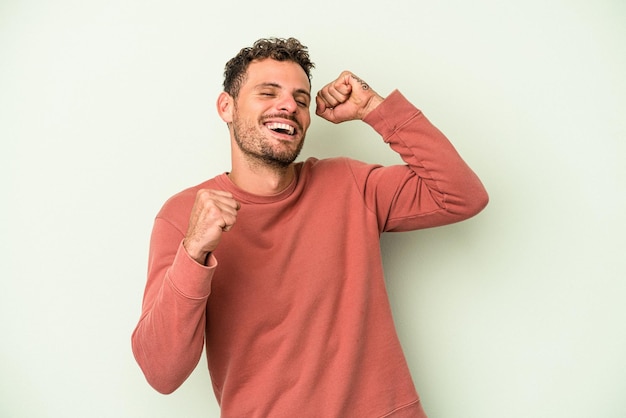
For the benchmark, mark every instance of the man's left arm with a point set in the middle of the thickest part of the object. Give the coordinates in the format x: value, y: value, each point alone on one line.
x: 436, y: 187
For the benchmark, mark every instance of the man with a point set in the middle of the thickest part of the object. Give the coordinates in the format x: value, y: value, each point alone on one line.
x: 276, y: 265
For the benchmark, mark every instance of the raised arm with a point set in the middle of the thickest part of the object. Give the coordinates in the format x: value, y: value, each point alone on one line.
x: 435, y: 187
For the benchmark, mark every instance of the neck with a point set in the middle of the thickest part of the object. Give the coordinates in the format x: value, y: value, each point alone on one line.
x: 261, y: 179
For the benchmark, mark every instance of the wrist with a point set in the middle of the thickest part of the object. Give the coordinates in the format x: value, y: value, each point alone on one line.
x: 200, y: 256
x: 371, y: 104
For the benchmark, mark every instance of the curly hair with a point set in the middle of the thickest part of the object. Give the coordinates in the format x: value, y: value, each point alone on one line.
x: 278, y: 49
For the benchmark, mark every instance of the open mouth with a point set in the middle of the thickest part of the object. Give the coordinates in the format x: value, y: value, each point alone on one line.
x: 281, y: 128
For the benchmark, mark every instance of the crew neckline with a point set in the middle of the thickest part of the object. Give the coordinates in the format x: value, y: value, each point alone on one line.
x: 244, y: 196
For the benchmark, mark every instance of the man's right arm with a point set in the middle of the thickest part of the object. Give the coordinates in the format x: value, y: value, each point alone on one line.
x: 168, y: 340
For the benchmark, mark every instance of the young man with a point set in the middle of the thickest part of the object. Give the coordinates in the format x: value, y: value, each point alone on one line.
x: 276, y: 265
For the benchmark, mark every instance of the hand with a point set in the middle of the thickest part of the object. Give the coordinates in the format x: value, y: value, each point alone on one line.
x: 214, y: 212
x: 346, y: 98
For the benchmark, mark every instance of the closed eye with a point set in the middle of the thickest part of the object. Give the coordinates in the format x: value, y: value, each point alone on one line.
x: 302, y: 99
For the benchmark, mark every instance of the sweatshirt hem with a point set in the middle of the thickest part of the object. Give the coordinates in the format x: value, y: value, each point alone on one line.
x: 416, y: 403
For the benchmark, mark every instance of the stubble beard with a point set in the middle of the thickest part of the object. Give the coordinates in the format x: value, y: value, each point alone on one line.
x: 256, y: 147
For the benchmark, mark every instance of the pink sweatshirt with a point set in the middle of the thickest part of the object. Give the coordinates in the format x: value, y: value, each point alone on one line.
x: 293, y: 306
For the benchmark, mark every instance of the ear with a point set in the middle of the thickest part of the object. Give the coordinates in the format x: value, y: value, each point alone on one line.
x: 225, y: 103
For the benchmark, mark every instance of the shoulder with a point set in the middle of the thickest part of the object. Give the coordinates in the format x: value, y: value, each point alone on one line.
x: 336, y: 171
x: 178, y: 206
x: 330, y: 166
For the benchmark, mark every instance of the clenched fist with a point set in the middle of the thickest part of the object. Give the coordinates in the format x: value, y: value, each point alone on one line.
x: 346, y: 98
x: 213, y: 213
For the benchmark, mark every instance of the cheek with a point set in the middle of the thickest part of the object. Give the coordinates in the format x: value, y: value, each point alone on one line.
x: 306, y: 121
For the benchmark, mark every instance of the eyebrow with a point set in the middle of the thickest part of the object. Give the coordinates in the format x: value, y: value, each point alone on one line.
x: 276, y: 85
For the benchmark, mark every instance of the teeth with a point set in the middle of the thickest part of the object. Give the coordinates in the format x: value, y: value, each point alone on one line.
x: 282, y: 126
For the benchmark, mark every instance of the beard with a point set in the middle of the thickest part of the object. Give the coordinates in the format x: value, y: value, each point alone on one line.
x: 259, y: 149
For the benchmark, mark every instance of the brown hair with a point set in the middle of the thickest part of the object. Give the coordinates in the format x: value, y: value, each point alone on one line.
x: 278, y: 49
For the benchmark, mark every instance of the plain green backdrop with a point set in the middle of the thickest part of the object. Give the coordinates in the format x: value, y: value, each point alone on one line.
x: 108, y: 107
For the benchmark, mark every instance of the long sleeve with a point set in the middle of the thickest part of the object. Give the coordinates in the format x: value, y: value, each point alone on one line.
x: 255, y: 307
x: 169, y: 338
x: 436, y: 187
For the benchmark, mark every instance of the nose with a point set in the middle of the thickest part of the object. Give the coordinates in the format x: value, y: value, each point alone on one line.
x: 287, y: 103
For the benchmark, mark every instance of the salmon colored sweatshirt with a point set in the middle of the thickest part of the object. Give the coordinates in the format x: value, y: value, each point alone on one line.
x: 292, y: 307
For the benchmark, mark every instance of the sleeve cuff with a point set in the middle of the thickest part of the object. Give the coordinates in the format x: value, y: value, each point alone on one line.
x: 391, y: 114
x: 191, y: 279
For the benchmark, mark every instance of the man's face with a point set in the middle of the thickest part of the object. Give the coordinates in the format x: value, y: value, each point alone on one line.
x: 271, y: 114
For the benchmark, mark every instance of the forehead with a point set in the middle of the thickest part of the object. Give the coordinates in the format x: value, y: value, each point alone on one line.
x: 286, y: 74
